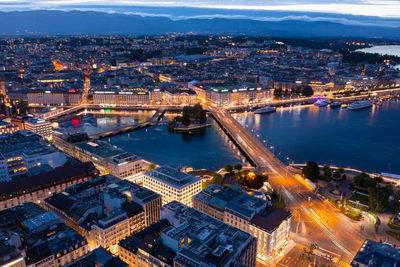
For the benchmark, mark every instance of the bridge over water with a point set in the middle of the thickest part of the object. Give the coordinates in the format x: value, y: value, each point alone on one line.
x: 258, y: 155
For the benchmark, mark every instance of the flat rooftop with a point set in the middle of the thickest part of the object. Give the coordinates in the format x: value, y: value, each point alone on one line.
x: 172, y: 177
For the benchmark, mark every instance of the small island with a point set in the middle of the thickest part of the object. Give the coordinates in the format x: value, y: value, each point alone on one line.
x: 194, y: 118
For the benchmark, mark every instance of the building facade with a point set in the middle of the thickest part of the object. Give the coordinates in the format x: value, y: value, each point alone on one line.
x: 186, y: 237
x: 271, y: 226
x: 172, y: 184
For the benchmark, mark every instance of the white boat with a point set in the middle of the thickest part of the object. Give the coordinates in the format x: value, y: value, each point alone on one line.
x: 360, y: 104
x: 321, y: 102
x: 266, y: 109
x: 335, y: 104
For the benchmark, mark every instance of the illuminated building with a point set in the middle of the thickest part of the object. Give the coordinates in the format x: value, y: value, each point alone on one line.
x: 8, y: 128
x: 23, y: 153
x: 172, y: 184
x: 377, y: 254
x: 271, y: 226
x: 105, y: 210
x: 186, y: 237
x: 107, y: 158
x: 121, y: 98
x: 38, y: 187
x: 40, y: 127
x: 47, y: 112
x: 39, y: 237
x: 227, y: 95
x: 181, y: 97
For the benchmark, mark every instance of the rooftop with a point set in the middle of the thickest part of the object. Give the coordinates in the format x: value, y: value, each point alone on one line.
x: 172, y: 177
x: 377, y: 254
x: 46, y: 179
x: 208, y: 241
x: 236, y: 201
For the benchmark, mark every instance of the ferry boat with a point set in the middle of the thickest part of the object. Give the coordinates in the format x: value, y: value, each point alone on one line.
x: 335, y: 104
x: 266, y: 109
x: 321, y: 102
x: 360, y: 104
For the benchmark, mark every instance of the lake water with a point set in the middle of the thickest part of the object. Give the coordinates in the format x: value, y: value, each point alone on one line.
x: 102, y: 121
x: 209, y: 149
x: 367, y: 139
x: 393, y: 50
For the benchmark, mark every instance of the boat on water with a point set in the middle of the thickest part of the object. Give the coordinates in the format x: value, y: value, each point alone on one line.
x: 335, y: 104
x: 321, y: 103
x: 266, y: 109
x: 359, y: 105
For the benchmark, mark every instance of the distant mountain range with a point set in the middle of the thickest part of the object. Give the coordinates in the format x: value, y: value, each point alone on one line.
x: 51, y: 22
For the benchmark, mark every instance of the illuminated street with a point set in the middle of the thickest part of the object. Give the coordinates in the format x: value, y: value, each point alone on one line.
x: 324, y: 224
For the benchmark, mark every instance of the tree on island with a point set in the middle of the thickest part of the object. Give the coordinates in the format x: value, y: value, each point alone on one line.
x: 195, y: 114
x: 311, y: 171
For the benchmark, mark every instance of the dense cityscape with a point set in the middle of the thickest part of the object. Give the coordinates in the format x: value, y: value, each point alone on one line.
x: 73, y: 198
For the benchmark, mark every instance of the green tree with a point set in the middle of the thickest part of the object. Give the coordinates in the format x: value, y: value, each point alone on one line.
x: 238, y: 166
x: 396, y: 202
x: 277, y: 200
x: 217, y: 179
x: 378, y: 179
x: 340, y: 170
x: 185, y: 119
x: 379, y: 198
x: 311, y: 171
x: 364, y: 180
x: 306, y: 258
x: 278, y: 93
x: 307, y: 91
x: 228, y: 168
x: 327, y: 171
x: 336, y: 175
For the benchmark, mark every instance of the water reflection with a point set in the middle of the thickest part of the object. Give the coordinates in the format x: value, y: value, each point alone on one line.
x: 365, y: 139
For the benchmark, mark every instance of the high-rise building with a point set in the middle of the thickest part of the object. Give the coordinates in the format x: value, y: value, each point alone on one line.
x: 271, y: 226
x: 172, y: 184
